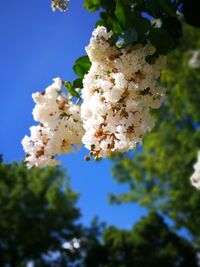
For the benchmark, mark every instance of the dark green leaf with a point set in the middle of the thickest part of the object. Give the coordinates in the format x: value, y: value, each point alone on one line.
x: 78, y: 83
x: 121, y: 14
x: 82, y: 66
x: 130, y: 37
x: 116, y: 27
x: 108, y: 5
x: 92, y: 5
x: 142, y: 26
x: 173, y: 26
x: 162, y: 40
x: 99, y: 23
x: 157, y: 8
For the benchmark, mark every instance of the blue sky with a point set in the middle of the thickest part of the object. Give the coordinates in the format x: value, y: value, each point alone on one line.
x: 36, y: 46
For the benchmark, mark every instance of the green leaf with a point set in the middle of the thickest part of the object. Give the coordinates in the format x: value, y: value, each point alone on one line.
x: 130, y: 36
x: 99, y: 23
x: 120, y: 13
x: 162, y: 40
x: 70, y: 89
x: 108, y: 5
x: 142, y: 26
x: 92, y: 5
x: 82, y: 66
x: 78, y: 83
x: 116, y: 27
x: 157, y: 8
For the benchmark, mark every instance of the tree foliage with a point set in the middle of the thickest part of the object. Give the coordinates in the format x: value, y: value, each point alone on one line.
x: 149, y: 243
x: 38, y: 215
x: 37, y: 212
x: 123, y: 16
x: 158, y: 173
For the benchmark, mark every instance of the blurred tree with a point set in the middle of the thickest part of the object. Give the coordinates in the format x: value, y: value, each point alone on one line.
x: 158, y: 173
x: 37, y: 213
x: 75, y: 251
x: 150, y: 243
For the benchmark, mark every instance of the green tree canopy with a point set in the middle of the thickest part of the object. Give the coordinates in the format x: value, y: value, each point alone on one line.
x: 150, y: 243
x: 158, y: 173
x: 37, y: 212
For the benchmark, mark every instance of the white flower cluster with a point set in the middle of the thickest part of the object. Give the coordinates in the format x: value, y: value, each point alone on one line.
x: 195, y: 178
x: 118, y: 93
x: 61, y: 5
x: 59, y: 130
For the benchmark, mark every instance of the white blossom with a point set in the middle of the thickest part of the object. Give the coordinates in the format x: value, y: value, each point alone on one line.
x: 72, y: 245
x: 61, y: 5
x: 194, y: 61
x: 195, y: 178
x: 156, y: 23
x: 118, y: 93
x: 59, y: 130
